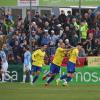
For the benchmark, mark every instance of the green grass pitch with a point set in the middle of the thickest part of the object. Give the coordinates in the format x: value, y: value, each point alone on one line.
x: 19, y: 91
x: 69, y: 2
x: 54, y: 3
x: 8, y: 2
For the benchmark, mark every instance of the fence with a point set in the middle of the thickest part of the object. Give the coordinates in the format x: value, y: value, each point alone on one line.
x: 21, y: 11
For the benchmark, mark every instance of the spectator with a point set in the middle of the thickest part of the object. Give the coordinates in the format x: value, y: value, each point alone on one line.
x: 68, y: 33
x: 35, y: 36
x: 11, y: 31
x: 16, y: 49
x: 90, y: 44
x: 53, y: 41
x: 45, y: 38
x: 26, y: 21
x: 74, y: 40
x: 52, y: 30
x: 96, y: 50
x: 84, y: 28
x: 62, y: 17
x: 60, y: 42
x: 1, y: 32
x: 97, y: 32
x: 82, y: 53
x: 46, y: 25
x: 67, y: 44
x: 89, y: 20
x: 34, y: 45
x: 7, y: 24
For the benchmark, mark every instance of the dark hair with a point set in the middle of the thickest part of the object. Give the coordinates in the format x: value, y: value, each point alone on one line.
x: 43, y: 45
x: 79, y: 44
x: 69, y: 12
x: 26, y: 47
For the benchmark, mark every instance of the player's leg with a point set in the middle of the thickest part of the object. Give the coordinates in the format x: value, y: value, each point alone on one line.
x: 50, y: 79
x: 4, y: 71
x: 31, y: 76
x: 67, y: 77
x: 36, y: 76
x: 30, y: 73
x: 3, y: 76
x: 49, y: 74
x: 38, y: 71
x: 54, y: 71
x: 33, y: 72
x: 70, y: 70
x: 24, y: 73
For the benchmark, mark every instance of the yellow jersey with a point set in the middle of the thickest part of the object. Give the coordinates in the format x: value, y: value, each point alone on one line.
x: 73, y: 55
x: 59, y: 56
x: 38, y: 58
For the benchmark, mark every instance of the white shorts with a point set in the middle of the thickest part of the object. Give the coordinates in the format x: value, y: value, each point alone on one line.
x: 4, y: 66
x: 27, y: 68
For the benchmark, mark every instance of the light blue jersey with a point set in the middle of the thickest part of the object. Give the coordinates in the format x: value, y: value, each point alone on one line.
x: 3, y: 56
x: 27, y: 58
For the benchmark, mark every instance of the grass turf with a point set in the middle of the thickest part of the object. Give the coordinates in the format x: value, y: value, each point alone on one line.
x: 19, y: 91
x: 54, y: 3
x: 69, y: 2
x: 8, y: 2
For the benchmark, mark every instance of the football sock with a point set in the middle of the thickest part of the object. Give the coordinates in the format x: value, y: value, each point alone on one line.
x: 3, y: 77
x: 31, y: 78
x: 35, y: 78
x: 63, y: 77
x: 50, y: 79
x: 68, y: 79
x: 24, y: 78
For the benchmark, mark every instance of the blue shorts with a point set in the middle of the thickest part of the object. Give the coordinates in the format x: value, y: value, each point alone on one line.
x: 54, y: 69
x: 70, y: 67
x: 36, y: 68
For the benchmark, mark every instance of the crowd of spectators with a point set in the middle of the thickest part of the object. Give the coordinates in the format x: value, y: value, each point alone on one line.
x: 51, y: 30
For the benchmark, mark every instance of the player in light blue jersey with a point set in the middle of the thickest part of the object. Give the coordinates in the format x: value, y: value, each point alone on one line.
x: 27, y: 63
x: 4, y: 63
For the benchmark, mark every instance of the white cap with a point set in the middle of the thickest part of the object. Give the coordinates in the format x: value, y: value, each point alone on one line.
x: 67, y: 40
x: 59, y: 25
x: 52, y: 31
x: 46, y: 31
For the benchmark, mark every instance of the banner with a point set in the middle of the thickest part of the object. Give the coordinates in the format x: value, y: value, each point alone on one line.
x: 84, y: 75
x: 87, y: 75
x: 94, y: 61
x: 15, y: 73
x: 27, y: 2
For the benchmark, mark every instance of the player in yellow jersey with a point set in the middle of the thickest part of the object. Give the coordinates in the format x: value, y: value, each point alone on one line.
x: 56, y: 63
x: 38, y: 61
x: 73, y: 54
